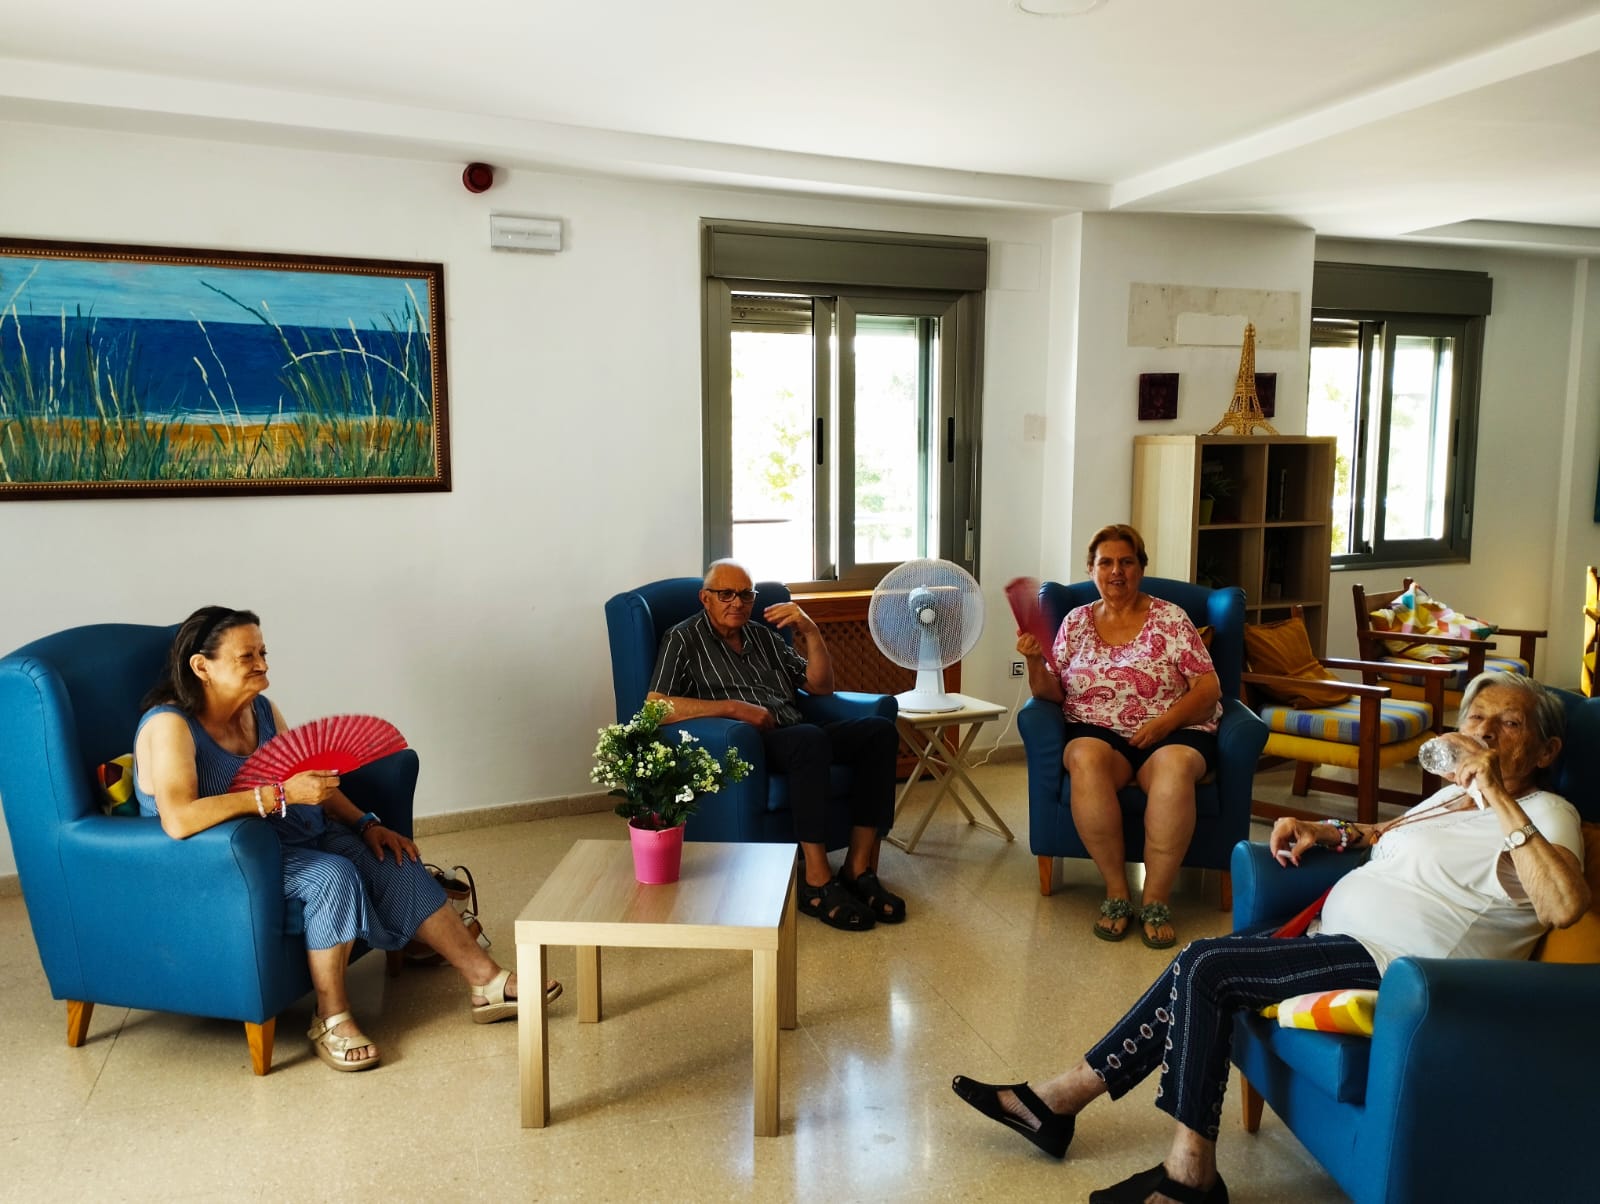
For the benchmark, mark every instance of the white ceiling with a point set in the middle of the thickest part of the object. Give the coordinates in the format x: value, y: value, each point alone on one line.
x: 1443, y: 119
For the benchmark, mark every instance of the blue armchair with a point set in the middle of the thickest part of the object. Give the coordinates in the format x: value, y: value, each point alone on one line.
x: 122, y: 914
x: 1222, y: 805
x: 1477, y: 1081
x: 756, y: 809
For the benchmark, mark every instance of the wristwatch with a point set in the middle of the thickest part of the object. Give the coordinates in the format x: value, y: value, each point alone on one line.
x: 369, y: 820
x: 1515, y: 840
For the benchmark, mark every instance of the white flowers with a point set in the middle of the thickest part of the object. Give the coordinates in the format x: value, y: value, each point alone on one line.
x: 657, y: 781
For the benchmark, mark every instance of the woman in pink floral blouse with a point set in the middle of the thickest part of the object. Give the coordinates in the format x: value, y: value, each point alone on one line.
x: 1141, y: 699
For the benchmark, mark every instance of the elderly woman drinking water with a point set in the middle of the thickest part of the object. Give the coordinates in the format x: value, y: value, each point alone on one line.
x: 1141, y: 700
x: 1451, y: 877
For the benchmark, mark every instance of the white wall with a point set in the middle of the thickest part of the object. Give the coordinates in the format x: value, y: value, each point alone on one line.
x: 1119, y: 250
x: 1538, y: 445
x: 472, y: 619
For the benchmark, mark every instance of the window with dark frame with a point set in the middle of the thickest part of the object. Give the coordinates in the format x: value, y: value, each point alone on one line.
x: 841, y: 400
x: 1396, y: 355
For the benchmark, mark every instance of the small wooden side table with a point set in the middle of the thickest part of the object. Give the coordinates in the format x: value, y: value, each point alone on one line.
x: 923, y: 733
x: 730, y: 896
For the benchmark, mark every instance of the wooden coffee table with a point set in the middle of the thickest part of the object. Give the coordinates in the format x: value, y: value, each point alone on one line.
x: 729, y: 896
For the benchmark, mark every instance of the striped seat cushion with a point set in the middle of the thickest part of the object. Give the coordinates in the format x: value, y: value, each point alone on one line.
x: 1401, y: 719
x: 1458, y: 679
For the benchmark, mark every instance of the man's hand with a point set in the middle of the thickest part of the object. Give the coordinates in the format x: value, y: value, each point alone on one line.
x: 787, y: 614
x: 748, y: 712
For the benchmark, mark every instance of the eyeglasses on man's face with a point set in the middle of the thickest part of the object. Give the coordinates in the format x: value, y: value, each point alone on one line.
x: 728, y: 595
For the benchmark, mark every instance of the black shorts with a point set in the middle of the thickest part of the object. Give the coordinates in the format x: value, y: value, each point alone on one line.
x: 1204, y: 743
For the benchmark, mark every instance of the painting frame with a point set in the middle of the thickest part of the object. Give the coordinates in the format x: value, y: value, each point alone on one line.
x: 165, y: 371
x: 1158, y: 396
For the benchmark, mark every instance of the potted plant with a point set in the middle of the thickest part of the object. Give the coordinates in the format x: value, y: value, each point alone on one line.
x: 660, y: 781
x: 1216, y: 484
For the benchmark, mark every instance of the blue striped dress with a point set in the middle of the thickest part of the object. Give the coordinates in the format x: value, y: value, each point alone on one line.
x: 347, y: 893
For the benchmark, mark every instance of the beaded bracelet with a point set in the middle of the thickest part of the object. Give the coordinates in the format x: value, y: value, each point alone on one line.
x: 283, y: 800
x: 260, y: 809
x: 1346, y: 828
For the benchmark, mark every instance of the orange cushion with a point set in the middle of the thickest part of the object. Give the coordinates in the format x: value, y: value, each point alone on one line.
x: 1284, y: 649
x: 1581, y: 942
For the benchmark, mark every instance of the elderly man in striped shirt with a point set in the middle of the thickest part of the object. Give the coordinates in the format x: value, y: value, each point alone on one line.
x: 723, y: 664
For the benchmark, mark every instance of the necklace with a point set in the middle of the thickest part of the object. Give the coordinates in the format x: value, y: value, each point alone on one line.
x: 1442, y: 807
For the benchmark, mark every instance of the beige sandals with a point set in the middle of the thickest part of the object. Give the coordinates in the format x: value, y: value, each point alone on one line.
x: 333, y: 1049
x: 498, y: 1006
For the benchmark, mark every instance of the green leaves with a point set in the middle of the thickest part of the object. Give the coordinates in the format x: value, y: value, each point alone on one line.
x: 659, y: 779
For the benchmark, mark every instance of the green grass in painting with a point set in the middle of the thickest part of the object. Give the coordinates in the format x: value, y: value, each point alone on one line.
x: 343, y: 419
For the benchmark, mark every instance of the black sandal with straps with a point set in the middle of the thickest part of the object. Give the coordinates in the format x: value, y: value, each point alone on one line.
x: 1155, y: 1181
x: 886, y: 906
x: 835, y: 906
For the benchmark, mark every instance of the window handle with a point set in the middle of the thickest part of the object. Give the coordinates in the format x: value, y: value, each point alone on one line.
x: 822, y: 446
x: 950, y: 440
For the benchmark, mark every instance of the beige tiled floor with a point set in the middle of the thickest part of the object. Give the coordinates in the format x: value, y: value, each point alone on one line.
x: 987, y: 978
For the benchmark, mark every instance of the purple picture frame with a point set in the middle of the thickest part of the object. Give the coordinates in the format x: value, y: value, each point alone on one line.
x: 1158, y: 396
x: 1267, y: 393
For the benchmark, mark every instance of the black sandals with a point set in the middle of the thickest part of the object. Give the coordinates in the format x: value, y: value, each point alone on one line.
x: 835, y: 905
x: 1053, y: 1132
x: 886, y: 906
x: 1135, y: 1189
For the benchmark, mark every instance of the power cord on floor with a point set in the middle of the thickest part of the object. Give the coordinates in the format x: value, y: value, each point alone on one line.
x: 1011, y: 714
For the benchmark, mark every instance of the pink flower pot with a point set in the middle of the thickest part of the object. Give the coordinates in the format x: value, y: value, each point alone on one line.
x: 657, y: 856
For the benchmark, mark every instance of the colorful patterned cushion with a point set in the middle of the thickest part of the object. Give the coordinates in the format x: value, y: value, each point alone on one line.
x: 1416, y: 613
x: 1284, y: 649
x: 1458, y: 676
x: 115, y: 779
x: 1581, y: 942
x: 1400, y: 719
x: 1327, y: 1012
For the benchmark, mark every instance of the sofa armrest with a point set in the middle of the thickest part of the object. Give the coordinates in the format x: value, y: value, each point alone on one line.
x: 388, y: 787
x: 844, y: 704
x: 1507, y: 1033
x: 1043, y: 729
x: 1267, y: 893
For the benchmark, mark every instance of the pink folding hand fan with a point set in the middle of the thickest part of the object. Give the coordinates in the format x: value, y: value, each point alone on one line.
x: 338, y: 742
x: 1023, y: 594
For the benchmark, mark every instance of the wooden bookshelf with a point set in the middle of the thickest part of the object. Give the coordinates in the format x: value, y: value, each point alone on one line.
x: 1272, y: 536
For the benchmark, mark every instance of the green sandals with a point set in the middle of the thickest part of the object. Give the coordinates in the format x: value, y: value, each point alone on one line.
x: 1152, y: 914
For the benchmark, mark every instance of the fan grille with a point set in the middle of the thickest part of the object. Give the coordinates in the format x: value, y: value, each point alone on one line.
x: 926, y: 614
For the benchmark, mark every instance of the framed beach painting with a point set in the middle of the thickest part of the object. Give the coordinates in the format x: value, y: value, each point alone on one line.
x: 132, y: 371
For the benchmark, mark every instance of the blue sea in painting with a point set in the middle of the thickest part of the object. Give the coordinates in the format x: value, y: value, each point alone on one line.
x: 221, y: 371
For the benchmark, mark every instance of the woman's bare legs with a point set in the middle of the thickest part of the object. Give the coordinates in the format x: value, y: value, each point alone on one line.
x: 1168, y: 779
x: 1098, y: 771
x: 1192, y: 1158
x: 444, y: 932
x: 327, y: 980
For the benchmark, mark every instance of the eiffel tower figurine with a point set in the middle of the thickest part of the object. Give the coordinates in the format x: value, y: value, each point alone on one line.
x: 1244, y: 411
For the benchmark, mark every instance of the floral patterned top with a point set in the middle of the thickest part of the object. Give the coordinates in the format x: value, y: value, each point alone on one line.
x: 1121, y: 686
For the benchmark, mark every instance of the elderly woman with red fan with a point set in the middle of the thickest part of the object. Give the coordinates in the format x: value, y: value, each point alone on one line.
x: 356, y: 878
x: 1142, y: 700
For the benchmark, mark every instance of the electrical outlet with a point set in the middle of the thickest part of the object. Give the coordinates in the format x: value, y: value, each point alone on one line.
x: 1017, y: 668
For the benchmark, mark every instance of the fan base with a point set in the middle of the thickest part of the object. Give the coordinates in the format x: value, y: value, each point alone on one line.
x: 927, y: 701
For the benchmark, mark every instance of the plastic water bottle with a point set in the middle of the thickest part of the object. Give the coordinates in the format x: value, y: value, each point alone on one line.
x: 1441, y: 757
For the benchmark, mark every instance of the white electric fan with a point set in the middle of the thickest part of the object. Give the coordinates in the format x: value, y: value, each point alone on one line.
x: 925, y: 615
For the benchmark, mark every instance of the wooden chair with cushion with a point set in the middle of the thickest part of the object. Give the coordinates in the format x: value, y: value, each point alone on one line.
x: 1314, y: 718
x: 1477, y: 655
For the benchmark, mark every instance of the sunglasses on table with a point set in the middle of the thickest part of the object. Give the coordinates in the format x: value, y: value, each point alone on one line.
x: 728, y: 595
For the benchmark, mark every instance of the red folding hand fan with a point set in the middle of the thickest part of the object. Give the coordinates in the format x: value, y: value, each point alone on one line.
x: 1023, y: 594
x: 338, y: 742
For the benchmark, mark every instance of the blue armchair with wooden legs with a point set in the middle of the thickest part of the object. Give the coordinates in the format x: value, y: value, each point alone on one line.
x: 1478, y: 1080
x: 756, y: 809
x: 122, y: 914
x: 1222, y: 804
